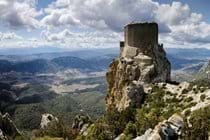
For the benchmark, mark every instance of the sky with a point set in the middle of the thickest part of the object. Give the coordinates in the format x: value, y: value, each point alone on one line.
x: 79, y: 24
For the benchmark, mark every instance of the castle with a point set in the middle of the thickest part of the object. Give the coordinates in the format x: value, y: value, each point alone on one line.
x: 142, y: 61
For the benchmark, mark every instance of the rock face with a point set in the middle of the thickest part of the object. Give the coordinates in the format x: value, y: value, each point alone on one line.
x: 166, y: 130
x: 142, y: 61
x: 7, y: 127
x: 48, y: 120
x: 81, y: 123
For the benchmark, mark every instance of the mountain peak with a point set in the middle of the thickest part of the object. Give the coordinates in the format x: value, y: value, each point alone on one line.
x: 142, y: 60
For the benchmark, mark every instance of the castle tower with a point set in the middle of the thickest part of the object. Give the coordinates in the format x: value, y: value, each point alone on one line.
x: 139, y: 36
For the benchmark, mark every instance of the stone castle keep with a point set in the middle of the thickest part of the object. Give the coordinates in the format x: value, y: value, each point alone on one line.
x: 142, y: 61
x: 140, y: 36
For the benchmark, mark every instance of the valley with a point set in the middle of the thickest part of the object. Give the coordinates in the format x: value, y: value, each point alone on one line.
x: 66, y: 86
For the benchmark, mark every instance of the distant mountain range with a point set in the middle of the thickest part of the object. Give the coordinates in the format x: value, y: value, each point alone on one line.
x: 56, y: 64
x: 88, y: 60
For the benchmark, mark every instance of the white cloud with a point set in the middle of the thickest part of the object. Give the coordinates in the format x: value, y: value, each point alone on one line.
x: 67, y: 38
x: 173, y: 14
x: 19, y: 13
x: 100, y: 22
x: 100, y: 14
x: 192, y: 33
x: 9, y: 36
x: 176, y: 19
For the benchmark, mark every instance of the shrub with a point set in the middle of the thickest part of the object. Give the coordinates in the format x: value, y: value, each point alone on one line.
x: 185, y: 91
x: 56, y: 130
x: 118, y: 120
x: 145, y: 120
x: 130, y: 130
x: 187, y: 112
x: 200, y: 121
x: 202, y: 97
x: 189, y: 99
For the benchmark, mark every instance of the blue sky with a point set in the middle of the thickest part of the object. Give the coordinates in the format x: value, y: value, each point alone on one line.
x: 76, y: 24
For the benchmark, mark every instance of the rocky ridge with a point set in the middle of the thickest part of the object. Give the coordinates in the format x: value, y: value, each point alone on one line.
x: 140, y: 76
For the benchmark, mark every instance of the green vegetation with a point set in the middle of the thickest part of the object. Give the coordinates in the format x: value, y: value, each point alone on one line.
x: 201, y: 84
x: 48, y: 138
x: 202, y: 97
x: 158, y: 106
x: 55, y: 130
x: 135, y: 122
x: 65, y: 107
x: 200, y: 125
x: 130, y: 130
x: 185, y: 91
x: 101, y: 88
x: 189, y: 99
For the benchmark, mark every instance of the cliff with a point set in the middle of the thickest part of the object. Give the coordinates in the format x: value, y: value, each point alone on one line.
x: 142, y: 61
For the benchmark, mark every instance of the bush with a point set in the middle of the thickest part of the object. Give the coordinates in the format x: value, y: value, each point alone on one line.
x: 202, y: 97
x: 189, y: 99
x: 118, y: 120
x: 56, y: 130
x: 185, y: 91
x: 187, y: 112
x: 130, y: 130
x: 200, y: 121
x: 145, y: 120
x: 99, y: 131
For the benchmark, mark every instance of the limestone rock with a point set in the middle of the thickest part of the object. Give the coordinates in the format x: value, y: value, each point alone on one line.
x: 7, y: 127
x: 142, y: 61
x: 2, y: 136
x: 167, y: 130
x: 48, y: 120
x: 81, y: 123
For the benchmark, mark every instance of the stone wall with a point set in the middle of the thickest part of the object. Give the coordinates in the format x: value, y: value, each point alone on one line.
x: 141, y: 35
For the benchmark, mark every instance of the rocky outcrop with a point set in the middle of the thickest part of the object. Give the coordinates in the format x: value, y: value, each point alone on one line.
x: 48, y: 120
x: 142, y: 61
x: 81, y: 123
x: 7, y: 127
x: 2, y: 135
x: 167, y: 130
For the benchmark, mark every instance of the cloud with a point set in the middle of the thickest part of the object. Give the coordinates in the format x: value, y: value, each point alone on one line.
x: 173, y: 14
x: 100, y: 22
x: 100, y: 14
x: 176, y: 20
x: 192, y: 33
x: 19, y: 13
x: 9, y: 36
x: 96, y: 39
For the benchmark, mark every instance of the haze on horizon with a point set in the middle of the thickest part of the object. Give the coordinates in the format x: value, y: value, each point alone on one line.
x: 80, y: 24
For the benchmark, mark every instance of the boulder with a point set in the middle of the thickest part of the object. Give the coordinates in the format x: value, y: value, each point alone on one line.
x: 48, y: 120
x: 81, y: 123
x: 167, y: 130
